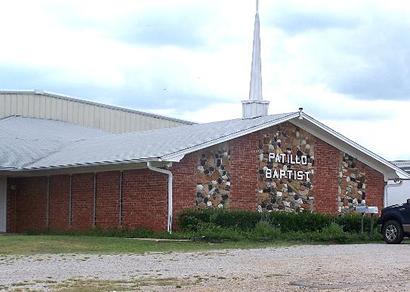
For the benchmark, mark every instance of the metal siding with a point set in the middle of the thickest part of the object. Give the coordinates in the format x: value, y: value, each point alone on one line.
x: 2, y: 105
x: 36, y: 106
x: 47, y: 106
x: 5, y: 106
x: 13, y: 105
x: 43, y: 104
x: 97, y: 114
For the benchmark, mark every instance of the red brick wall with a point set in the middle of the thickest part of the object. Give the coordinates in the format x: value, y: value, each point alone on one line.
x: 30, y: 204
x: 375, y: 186
x: 59, y: 193
x: 11, y: 205
x: 325, y: 178
x: 107, y: 203
x: 82, y: 201
x: 145, y: 199
x: 244, y: 172
x: 184, y: 184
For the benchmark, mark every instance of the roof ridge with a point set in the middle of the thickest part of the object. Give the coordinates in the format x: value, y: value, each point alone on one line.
x: 207, y: 123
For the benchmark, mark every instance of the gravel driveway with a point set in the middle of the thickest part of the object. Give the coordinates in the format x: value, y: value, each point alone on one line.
x: 372, y: 267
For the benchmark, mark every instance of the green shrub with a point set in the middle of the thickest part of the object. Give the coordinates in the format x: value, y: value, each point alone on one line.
x: 305, y: 222
x: 237, y: 219
x: 352, y: 222
x: 214, y: 233
x: 190, y: 219
x: 216, y: 225
x: 264, y: 231
x: 333, y: 232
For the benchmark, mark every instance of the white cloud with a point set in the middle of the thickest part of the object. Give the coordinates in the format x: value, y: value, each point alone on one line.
x: 345, y: 62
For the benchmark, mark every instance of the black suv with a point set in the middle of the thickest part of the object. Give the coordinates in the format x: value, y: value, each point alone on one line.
x: 395, y: 222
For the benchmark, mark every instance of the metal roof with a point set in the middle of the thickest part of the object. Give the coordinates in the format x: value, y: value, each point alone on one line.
x: 28, y: 144
x: 403, y: 164
x: 155, y: 145
x: 26, y: 140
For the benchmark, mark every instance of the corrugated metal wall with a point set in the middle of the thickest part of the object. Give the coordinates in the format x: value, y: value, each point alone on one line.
x: 84, y: 113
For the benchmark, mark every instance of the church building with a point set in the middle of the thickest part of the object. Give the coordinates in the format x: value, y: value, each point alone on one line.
x: 72, y: 168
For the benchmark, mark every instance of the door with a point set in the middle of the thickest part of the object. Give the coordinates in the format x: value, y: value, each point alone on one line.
x: 3, y: 203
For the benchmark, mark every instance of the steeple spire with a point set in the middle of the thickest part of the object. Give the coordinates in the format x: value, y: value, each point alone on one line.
x: 255, y: 106
x: 255, y: 90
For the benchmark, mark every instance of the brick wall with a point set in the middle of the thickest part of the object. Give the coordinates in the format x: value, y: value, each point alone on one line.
x: 11, y: 205
x: 59, y: 202
x: 144, y: 192
x: 145, y: 199
x: 325, y: 179
x: 375, y: 186
x: 27, y: 199
x: 82, y: 201
x: 184, y: 185
x: 244, y: 172
x: 108, y: 199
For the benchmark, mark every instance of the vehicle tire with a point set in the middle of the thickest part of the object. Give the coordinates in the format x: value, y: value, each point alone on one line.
x: 392, y: 232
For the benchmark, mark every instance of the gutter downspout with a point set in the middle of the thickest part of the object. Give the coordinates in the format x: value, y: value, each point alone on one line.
x: 169, y: 173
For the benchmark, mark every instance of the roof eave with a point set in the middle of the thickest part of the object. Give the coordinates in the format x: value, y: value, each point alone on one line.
x: 85, y: 165
x: 400, y: 173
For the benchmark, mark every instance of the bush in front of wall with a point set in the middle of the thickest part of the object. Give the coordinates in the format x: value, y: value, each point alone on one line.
x: 352, y: 222
x: 191, y: 219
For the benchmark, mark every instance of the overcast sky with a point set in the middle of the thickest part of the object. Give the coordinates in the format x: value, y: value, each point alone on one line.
x: 346, y: 62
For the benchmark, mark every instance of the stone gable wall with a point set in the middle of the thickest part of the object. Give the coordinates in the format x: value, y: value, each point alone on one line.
x: 286, y: 193
x: 336, y: 182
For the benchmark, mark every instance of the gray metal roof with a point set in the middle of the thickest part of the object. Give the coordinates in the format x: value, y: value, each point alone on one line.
x: 28, y: 144
x: 26, y: 140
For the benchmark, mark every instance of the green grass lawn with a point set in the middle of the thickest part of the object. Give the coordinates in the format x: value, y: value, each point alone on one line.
x: 35, y: 244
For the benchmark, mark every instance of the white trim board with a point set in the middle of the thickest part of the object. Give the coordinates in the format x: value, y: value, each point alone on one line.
x: 346, y: 145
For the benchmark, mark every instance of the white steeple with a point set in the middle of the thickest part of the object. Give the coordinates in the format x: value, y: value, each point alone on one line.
x: 255, y: 106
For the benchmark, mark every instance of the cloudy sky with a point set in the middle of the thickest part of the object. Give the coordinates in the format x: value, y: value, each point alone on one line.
x: 345, y: 62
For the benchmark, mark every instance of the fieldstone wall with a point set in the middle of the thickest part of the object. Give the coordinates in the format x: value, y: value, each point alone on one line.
x: 213, y: 175
x: 352, y: 184
x: 290, y: 192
